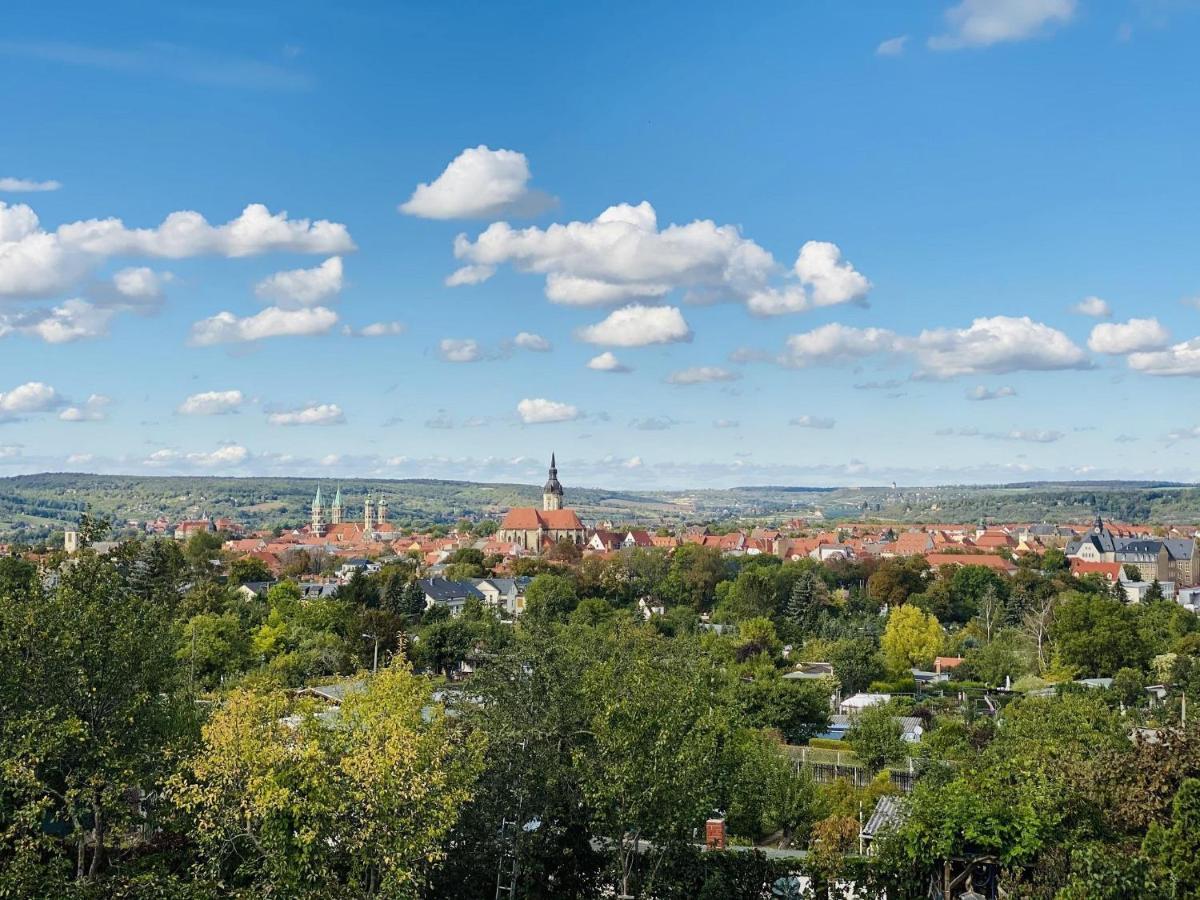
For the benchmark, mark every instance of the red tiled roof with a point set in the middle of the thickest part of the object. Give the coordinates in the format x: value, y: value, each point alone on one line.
x: 988, y: 560
x: 526, y: 518
x: 1110, y: 571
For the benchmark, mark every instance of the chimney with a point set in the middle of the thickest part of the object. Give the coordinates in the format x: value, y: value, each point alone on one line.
x: 714, y: 834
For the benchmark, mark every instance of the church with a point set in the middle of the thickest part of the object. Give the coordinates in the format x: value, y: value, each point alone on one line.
x: 331, y: 521
x: 536, y: 530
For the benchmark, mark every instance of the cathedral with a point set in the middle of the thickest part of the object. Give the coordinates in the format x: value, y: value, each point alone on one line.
x: 325, y: 520
x: 535, y: 530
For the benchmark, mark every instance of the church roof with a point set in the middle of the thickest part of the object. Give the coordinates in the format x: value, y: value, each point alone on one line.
x: 526, y: 518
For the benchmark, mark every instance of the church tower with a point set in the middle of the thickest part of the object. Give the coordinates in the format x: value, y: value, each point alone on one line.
x: 369, y: 514
x: 335, y: 511
x: 380, y: 511
x: 552, y: 493
x: 317, y: 523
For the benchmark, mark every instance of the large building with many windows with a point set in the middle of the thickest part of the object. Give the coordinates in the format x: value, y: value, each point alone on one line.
x: 535, y: 530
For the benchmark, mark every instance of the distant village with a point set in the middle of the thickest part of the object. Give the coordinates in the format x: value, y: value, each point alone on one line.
x: 345, y: 538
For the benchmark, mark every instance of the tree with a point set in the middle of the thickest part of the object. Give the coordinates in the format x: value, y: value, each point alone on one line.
x: 797, y: 710
x: 875, y: 736
x: 549, y: 598
x: 1174, y: 850
x: 805, y: 600
x: 249, y: 569
x: 1154, y: 592
x: 89, y: 695
x: 1097, y: 635
x: 912, y: 638
x: 897, y: 579
x: 856, y: 663
x: 286, y: 803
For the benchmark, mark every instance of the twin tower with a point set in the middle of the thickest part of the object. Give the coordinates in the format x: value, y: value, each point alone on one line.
x: 374, y: 512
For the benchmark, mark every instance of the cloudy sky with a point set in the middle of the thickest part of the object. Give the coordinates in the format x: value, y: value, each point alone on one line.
x: 821, y: 243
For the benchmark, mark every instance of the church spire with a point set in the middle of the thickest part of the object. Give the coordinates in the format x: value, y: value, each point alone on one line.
x: 552, y: 493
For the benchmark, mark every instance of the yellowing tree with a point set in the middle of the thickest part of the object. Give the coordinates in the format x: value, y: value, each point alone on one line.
x: 290, y: 802
x: 912, y: 638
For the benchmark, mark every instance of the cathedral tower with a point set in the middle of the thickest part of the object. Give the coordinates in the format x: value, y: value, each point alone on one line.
x: 336, y: 511
x: 317, y: 522
x: 369, y: 514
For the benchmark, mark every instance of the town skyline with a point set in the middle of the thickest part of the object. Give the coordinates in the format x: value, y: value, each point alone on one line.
x: 823, y: 247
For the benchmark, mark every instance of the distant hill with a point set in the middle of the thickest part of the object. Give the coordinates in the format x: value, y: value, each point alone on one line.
x: 34, y: 506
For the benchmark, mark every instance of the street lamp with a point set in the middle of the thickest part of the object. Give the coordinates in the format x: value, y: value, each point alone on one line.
x: 375, y: 665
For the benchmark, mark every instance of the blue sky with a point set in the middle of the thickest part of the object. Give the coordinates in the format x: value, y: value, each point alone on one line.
x: 845, y: 243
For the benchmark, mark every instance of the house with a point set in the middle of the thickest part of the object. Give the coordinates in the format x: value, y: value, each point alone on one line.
x: 1157, y: 559
x: 604, y: 541
x: 507, y: 594
x: 943, y: 664
x: 987, y: 560
x: 810, y: 671
x: 451, y: 594
x: 885, y: 816
x: 649, y: 607
x: 637, y: 538
x: 253, y: 590
x: 911, y: 728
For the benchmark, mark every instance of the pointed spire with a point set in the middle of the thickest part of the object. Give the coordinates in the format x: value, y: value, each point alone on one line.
x: 337, y: 498
x: 552, y: 463
x: 317, y: 499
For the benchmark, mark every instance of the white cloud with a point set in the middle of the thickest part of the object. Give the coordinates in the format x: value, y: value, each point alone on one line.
x: 470, y: 275
x: 1042, y: 436
x: 1094, y: 307
x: 1136, y: 335
x: 981, y: 23
x: 31, y: 397
x: 226, y: 455
x: 140, y: 285
x: 1181, y: 359
x: 226, y: 328
x: 980, y: 392
x: 994, y: 345
x: 892, y: 46
x: 26, y: 185
x: 376, y: 329
x: 607, y: 362
x: 538, y: 411
x: 726, y: 423
x: 71, y: 320
x: 298, y: 288
x: 78, y: 459
x: 529, y: 341
x: 211, y: 403
x: 93, y: 410
x: 820, y: 268
x: 621, y: 255
x: 702, y: 375
x: 35, y: 262
x: 460, y: 350
x: 836, y: 343
x: 634, y: 462
x: 638, y: 326
x: 812, y: 422
x: 479, y: 183
x: 316, y: 414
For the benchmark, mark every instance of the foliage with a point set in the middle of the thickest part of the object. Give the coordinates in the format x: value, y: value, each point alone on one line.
x: 912, y: 639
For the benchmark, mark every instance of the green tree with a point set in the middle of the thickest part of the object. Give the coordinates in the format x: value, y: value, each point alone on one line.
x: 1097, y: 635
x: 804, y: 602
x: 875, y: 736
x: 856, y: 663
x: 912, y: 638
x: 549, y: 598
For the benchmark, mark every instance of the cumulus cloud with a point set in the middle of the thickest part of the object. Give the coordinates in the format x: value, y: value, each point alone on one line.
x: 469, y: 275
x: 538, y: 410
x: 376, y: 329
x: 225, y: 455
x: 94, y: 409
x: 824, y: 280
x: 27, y: 185
x: 1134, y: 336
x: 702, y: 375
x: 211, y: 403
x: 1094, y: 307
x: 36, y: 262
x: 834, y: 343
x: 226, y: 328
x: 297, y: 288
x: 1181, y: 359
x: 812, y: 422
x: 479, y: 183
x: 608, y: 362
x: 981, y: 23
x: 31, y: 397
x: 315, y: 414
x: 622, y: 255
x: 71, y: 320
x: 529, y: 341
x: 459, y: 350
x: 997, y: 344
x: 140, y: 285
x: 980, y: 392
x: 892, y: 46
x: 638, y: 326
x: 726, y: 423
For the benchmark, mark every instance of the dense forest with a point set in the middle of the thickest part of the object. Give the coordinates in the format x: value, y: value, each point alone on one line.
x: 165, y: 734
